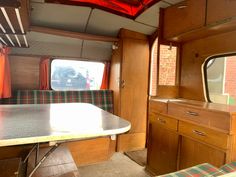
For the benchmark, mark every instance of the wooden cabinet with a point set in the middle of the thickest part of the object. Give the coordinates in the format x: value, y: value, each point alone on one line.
x: 162, y: 149
x: 129, y: 76
x: 191, y: 19
x: 162, y: 141
x: 189, y: 133
x: 193, y: 152
x: 220, y: 11
x: 183, y: 17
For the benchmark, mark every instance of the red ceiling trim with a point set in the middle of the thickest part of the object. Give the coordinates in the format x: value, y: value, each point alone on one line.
x: 122, y: 12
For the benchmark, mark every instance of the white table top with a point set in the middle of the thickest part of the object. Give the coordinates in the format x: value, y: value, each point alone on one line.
x: 26, y: 124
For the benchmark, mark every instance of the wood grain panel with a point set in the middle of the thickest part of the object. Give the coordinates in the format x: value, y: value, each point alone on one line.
x: 90, y: 151
x: 156, y: 106
x: 218, y: 10
x: 124, y: 33
x: 194, y: 54
x: 164, y: 121
x: 198, y: 114
x: 194, y: 153
x: 10, y: 167
x: 134, y: 92
x: 167, y: 91
x: 14, y: 151
x: 193, y: 15
x: 60, y: 162
x: 24, y: 72
x: 162, y: 150
x: 131, y: 142
x: 205, y: 135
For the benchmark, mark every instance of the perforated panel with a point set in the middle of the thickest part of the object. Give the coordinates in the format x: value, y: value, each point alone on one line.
x: 72, y: 18
x: 104, y: 23
x: 151, y: 15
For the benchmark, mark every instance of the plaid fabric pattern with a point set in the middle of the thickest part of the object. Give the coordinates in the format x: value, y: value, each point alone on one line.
x: 202, y: 170
x: 101, y: 98
x: 228, y: 168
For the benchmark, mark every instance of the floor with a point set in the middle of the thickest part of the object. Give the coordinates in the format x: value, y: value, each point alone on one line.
x: 61, y: 164
x: 118, y: 166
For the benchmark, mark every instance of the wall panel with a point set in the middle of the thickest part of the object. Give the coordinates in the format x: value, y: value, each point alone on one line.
x: 24, y: 72
x: 194, y: 54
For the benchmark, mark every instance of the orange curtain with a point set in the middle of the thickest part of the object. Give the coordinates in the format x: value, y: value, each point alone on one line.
x: 105, y: 78
x: 44, y: 74
x: 5, y: 75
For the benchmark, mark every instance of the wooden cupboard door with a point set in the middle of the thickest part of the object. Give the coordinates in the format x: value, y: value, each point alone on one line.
x: 193, y: 153
x: 220, y: 10
x: 134, y: 86
x: 184, y: 17
x: 162, y: 150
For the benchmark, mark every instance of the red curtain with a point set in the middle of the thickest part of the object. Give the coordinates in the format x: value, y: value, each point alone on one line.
x: 5, y: 75
x: 105, y: 78
x: 44, y: 74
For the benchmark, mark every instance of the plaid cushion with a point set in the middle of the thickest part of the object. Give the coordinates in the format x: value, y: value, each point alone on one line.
x: 100, y: 98
x: 202, y: 170
x: 228, y: 168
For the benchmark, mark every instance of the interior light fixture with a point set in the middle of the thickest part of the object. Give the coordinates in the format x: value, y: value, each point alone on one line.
x: 7, y: 19
x: 17, y: 39
x: 2, y: 28
x: 8, y: 37
x: 1, y: 39
x: 26, y: 43
x: 19, y: 20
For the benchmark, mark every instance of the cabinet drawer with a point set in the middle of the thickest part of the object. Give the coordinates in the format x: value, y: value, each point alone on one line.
x: 157, y: 107
x: 214, y: 119
x: 204, y: 134
x: 165, y: 121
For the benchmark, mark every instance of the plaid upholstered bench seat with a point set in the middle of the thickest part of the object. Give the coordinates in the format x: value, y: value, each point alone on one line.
x: 228, y: 168
x: 202, y: 170
x: 100, y: 98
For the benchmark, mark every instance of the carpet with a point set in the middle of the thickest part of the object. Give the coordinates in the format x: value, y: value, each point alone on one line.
x: 140, y: 156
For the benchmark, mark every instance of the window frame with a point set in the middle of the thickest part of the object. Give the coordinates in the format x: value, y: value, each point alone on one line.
x: 204, y: 71
x: 69, y: 59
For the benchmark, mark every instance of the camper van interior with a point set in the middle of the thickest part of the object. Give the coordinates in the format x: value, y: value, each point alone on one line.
x: 117, y: 88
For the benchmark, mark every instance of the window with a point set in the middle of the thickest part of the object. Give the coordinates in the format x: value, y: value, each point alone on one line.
x: 167, y: 65
x: 220, y: 81
x: 76, y: 75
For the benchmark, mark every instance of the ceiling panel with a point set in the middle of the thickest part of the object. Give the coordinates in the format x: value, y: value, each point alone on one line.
x: 35, y: 36
x: 151, y: 15
x: 57, y: 46
x: 104, y: 23
x: 173, y: 1
x: 97, y: 50
x: 49, y: 49
x: 60, y: 16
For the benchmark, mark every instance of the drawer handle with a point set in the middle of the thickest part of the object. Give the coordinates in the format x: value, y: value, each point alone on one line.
x: 161, y: 121
x: 199, y: 133
x: 192, y: 113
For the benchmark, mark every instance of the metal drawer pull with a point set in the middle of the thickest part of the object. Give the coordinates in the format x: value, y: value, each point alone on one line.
x: 199, y: 133
x: 192, y: 113
x: 161, y: 120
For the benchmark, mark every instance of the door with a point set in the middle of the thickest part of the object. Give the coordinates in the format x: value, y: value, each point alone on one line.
x: 134, y: 87
x: 162, y: 150
x: 193, y: 153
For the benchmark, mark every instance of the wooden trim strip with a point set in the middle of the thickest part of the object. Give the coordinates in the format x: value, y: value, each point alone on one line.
x: 71, y: 34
